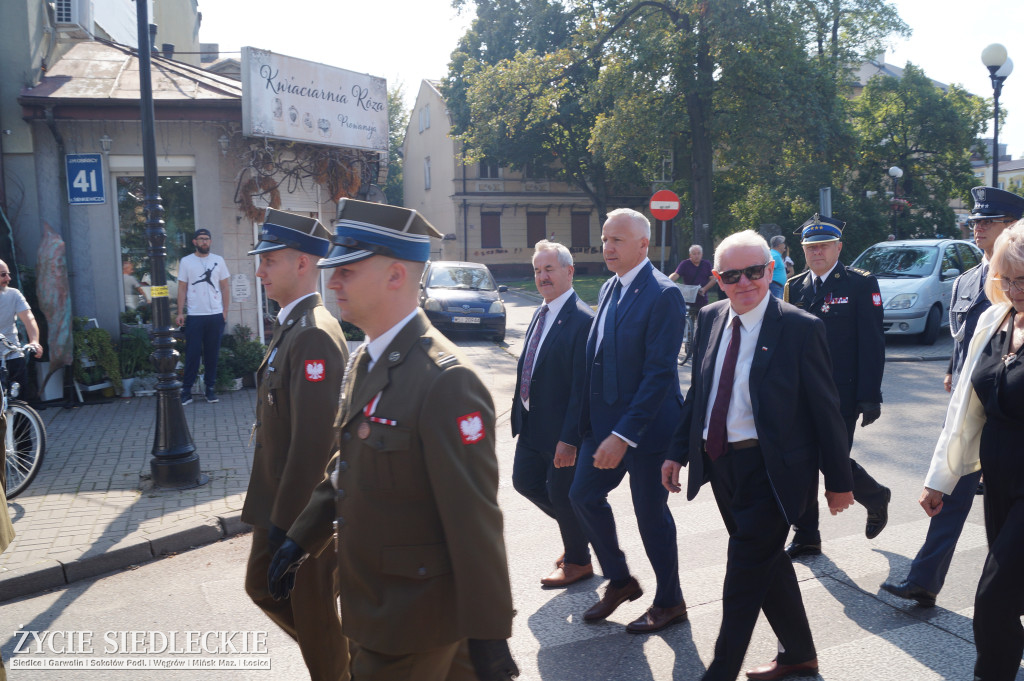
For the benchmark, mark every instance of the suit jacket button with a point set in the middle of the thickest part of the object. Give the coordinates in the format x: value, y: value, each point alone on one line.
x: 343, y: 466
x: 346, y: 436
x: 422, y: 572
x: 341, y: 494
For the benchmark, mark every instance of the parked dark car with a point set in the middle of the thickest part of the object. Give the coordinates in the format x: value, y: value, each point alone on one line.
x: 462, y: 296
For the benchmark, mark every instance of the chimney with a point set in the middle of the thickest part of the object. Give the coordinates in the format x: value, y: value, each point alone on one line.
x: 168, y: 50
x: 152, y: 41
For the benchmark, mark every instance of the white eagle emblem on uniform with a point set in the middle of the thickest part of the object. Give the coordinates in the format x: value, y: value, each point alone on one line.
x: 471, y: 428
x: 314, y: 370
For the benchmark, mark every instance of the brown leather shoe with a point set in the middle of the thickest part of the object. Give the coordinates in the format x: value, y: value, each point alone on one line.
x: 656, y: 619
x: 561, y: 559
x: 612, y: 599
x: 773, y: 670
x: 568, y: 573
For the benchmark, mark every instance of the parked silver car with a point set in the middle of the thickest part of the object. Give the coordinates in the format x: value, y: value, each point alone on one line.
x: 916, y: 280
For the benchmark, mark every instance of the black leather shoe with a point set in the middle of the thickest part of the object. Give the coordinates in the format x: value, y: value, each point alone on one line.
x: 796, y: 549
x: 878, y: 518
x: 911, y: 591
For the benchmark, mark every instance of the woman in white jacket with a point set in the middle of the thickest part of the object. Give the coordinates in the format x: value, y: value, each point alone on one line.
x: 985, y: 429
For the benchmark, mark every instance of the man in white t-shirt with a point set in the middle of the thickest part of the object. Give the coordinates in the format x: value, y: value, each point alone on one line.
x: 14, y: 306
x: 203, y: 294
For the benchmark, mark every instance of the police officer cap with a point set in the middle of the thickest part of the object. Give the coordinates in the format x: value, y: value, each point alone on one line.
x: 819, y: 229
x: 288, y: 230
x: 366, y: 229
x: 990, y: 203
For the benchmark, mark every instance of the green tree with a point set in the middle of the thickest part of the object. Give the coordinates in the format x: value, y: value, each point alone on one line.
x: 398, y: 122
x: 912, y: 123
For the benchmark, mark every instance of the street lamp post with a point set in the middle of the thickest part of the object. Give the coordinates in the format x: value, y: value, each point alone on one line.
x: 999, y: 67
x: 895, y: 172
x: 175, y: 464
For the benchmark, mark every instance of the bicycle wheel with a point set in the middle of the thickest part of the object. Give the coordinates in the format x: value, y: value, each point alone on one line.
x: 25, y: 445
x: 686, y: 351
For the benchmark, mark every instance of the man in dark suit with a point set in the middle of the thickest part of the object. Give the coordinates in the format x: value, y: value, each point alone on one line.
x: 760, y: 418
x: 994, y: 210
x: 850, y: 304
x: 631, y: 403
x: 546, y: 406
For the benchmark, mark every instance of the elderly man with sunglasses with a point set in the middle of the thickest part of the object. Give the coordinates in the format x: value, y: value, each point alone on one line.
x: 760, y: 368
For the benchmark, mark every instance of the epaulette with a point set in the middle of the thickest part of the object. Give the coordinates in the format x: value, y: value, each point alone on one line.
x: 857, y: 270
x: 795, y: 277
x: 442, y: 357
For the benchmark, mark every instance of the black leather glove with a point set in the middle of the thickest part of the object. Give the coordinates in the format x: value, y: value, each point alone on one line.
x: 283, y: 566
x: 870, y: 411
x: 492, y: 660
x: 275, y: 537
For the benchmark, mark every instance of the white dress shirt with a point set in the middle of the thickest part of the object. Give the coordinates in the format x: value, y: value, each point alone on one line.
x: 626, y: 280
x: 739, y: 422
x: 283, y: 313
x: 554, y: 307
x: 378, y: 345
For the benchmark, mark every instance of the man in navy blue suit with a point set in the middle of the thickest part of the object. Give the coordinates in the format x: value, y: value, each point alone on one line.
x: 760, y: 418
x: 994, y: 210
x: 546, y: 406
x: 631, y: 404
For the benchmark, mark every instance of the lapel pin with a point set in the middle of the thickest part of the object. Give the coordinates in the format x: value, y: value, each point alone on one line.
x: 394, y: 356
x: 764, y: 348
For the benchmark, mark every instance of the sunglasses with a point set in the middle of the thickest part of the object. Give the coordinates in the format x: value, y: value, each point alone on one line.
x: 753, y: 273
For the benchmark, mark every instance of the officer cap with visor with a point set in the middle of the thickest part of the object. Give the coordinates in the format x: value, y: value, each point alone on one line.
x: 820, y: 229
x: 365, y: 229
x: 288, y: 230
x: 991, y: 204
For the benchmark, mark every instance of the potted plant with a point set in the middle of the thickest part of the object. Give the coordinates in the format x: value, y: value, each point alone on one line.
x: 97, y: 365
x: 134, y: 356
x: 248, y: 353
x: 227, y: 371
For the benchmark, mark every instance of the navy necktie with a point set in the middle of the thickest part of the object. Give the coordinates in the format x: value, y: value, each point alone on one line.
x: 717, y: 432
x: 817, y: 284
x: 611, y: 391
x: 531, y: 355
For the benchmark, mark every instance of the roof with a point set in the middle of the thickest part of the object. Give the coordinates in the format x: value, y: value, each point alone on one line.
x: 104, y: 74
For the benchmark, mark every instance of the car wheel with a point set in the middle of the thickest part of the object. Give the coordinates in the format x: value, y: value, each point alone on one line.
x: 931, y: 327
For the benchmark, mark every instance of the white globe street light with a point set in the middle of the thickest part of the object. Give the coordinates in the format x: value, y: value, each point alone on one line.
x: 999, y: 66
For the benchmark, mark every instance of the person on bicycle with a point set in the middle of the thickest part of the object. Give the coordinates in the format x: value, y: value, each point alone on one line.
x: 695, y: 272
x: 14, y: 306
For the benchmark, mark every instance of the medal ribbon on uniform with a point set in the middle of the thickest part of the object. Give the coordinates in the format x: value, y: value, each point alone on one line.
x: 371, y: 407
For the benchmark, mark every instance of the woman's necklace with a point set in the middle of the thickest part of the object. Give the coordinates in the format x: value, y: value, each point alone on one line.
x: 1010, y: 357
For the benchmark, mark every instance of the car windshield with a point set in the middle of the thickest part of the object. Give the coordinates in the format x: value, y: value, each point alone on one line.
x: 470, y: 278
x: 898, y: 261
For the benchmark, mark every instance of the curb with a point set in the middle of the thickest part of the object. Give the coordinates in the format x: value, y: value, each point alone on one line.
x: 54, y: 572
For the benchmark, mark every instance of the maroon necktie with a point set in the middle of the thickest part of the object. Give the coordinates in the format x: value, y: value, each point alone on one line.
x: 531, y: 355
x: 717, y: 441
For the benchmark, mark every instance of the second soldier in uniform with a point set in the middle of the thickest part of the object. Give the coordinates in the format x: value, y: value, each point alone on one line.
x: 295, y: 436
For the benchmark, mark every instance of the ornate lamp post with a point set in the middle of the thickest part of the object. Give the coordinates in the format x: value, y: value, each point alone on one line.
x: 175, y: 464
x: 895, y: 172
x: 999, y: 67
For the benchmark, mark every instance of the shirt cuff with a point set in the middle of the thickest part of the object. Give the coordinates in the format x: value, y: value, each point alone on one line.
x: 624, y: 439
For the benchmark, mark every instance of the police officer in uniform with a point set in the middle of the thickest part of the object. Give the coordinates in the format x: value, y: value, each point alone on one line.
x: 994, y: 210
x: 295, y: 438
x: 849, y: 302
x: 422, y: 570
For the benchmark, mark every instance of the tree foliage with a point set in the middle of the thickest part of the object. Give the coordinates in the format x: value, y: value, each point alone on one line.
x: 398, y: 122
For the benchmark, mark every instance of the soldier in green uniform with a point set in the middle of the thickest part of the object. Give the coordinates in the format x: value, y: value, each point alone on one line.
x: 422, y: 571
x: 295, y: 437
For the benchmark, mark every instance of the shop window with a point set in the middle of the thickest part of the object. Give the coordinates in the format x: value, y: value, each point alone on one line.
x: 490, y: 230
x: 179, y: 222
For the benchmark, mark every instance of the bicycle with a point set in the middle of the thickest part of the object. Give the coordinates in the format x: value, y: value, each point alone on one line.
x: 25, y: 439
x: 690, y: 296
